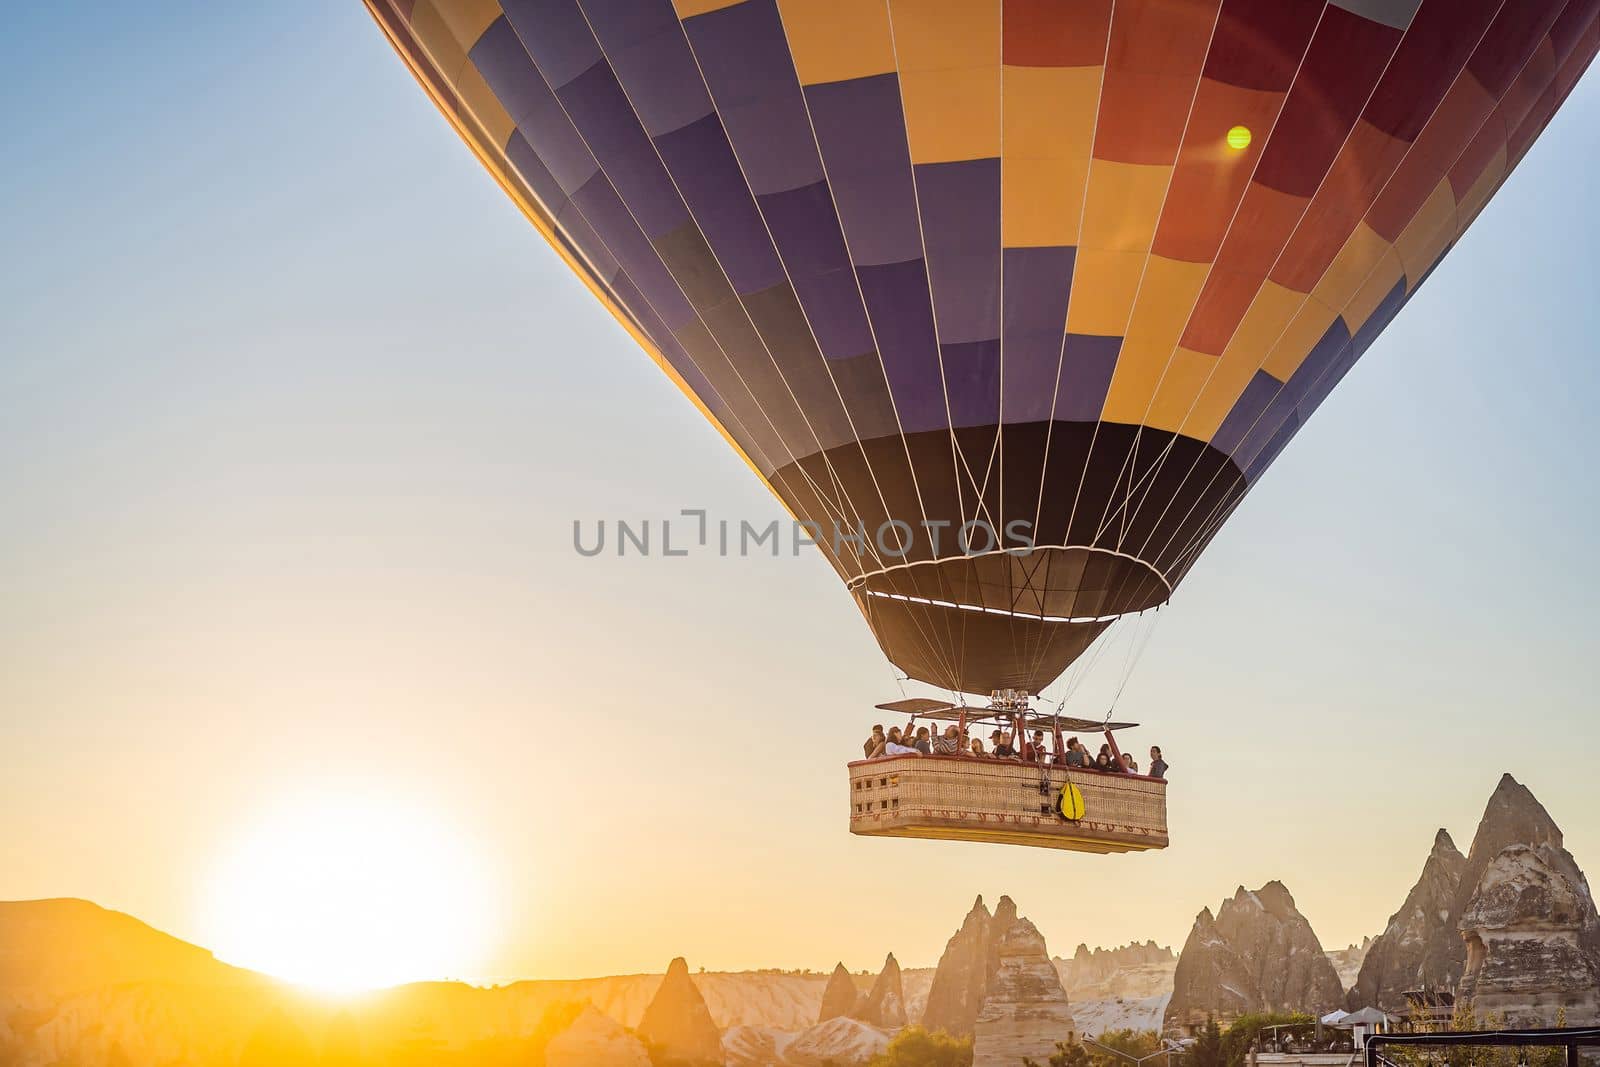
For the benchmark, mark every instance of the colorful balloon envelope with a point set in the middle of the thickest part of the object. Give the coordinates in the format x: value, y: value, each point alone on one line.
x: 1011, y: 300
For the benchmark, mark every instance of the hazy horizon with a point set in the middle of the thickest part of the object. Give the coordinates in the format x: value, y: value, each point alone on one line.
x: 288, y: 472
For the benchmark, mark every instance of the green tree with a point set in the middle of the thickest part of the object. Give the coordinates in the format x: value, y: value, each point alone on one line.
x: 1247, y: 1030
x: 1132, y: 1044
x: 916, y: 1047
x: 1207, y: 1048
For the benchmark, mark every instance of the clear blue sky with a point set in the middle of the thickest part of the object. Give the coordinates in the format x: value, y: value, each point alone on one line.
x: 296, y: 413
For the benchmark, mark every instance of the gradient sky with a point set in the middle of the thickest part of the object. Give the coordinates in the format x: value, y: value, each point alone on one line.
x: 296, y: 413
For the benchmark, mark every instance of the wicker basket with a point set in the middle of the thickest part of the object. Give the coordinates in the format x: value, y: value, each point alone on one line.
x: 974, y: 799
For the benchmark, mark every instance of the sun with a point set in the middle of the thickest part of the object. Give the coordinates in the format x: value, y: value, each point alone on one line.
x: 349, y: 890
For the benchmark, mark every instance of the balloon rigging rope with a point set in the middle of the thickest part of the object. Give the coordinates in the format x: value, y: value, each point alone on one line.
x: 1218, y: 511
x: 1061, y: 357
x: 1143, y: 630
x: 1271, y: 404
x: 1131, y: 458
x: 1082, y: 668
x: 1222, y: 509
x: 1144, y: 269
x: 844, y: 505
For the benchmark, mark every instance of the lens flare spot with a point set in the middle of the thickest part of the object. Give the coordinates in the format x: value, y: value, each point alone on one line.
x: 1239, y: 138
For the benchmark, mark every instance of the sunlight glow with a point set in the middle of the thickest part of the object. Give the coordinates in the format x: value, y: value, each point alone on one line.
x: 1239, y: 138
x: 345, y: 891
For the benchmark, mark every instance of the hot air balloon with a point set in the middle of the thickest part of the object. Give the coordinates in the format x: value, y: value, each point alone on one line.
x: 1072, y: 269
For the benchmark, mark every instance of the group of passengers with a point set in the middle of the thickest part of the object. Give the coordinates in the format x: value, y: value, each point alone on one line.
x: 920, y: 741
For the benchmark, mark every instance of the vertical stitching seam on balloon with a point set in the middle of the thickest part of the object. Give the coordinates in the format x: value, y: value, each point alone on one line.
x: 755, y: 401
x: 1214, y: 521
x: 1156, y: 468
x: 956, y: 458
x: 1143, y: 270
x: 1210, y: 267
x: 1197, y: 540
x: 1132, y: 456
x: 1111, y: 29
x: 847, y: 505
x: 1055, y: 396
x: 1209, y: 526
x: 539, y: 216
x: 937, y: 621
x: 941, y: 652
x: 761, y: 212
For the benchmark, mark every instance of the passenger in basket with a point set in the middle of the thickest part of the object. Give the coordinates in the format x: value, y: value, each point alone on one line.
x: 1158, y: 766
x: 1034, y: 751
x: 1002, y: 746
x: 949, y: 744
x: 1112, y: 763
x: 896, y: 747
x: 875, y: 742
x: 1130, y: 763
x: 1077, y: 755
x: 923, y: 743
x: 977, y: 748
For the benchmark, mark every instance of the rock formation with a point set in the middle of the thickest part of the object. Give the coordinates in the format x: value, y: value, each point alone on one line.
x: 1395, y: 960
x: 840, y: 996
x: 1347, y: 961
x: 1118, y: 988
x: 595, y: 1040
x: 1257, y: 954
x: 885, y: 1006
x: 1426, y: 944
x: 678, y: 1022
x: 753, y: 1046
x: 969, y: 959
x: 1532, y: 940
x: 842, y: 1042
x: 1024, y: 1010
x: 1096, y: 1017
x: 1103, y: 965
x: 1211, y: 979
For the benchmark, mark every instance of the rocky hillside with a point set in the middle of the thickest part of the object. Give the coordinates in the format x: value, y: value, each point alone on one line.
x: 594, y: 1039
x: 1258, y: 953
x: 1512, y: 923
x: 1399, y: 958
x: 83, y: 985
x: 839, y: 996
x: 841, y: 1041
x: 1107, y: 971
x: 1347, y: 961
x: 885, y: 1003
x: 962, y: 977
x: 678, y: 1022
x: 1131, y: 972
x: 1024, y: 1011
x: 61, y: 947
x: 1096, y: 1017
x: 1125, y: 988
x: 997, y: 983
x: 1532, y: 940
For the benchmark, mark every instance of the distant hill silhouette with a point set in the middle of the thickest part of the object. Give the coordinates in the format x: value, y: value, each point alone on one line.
x: 84, y: 985
x: 68, y: 946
